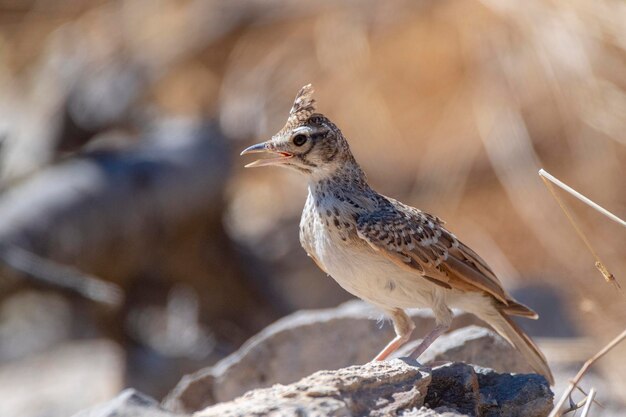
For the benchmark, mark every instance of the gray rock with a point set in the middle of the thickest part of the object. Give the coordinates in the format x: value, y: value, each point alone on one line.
x: 455, y: 386
x: 397, y: 387
x: 129, y: 403
x: 373, y: 389
x: 481, y: 392
x: 292, y: 348
x: 428, y: 412
x: 505, y: 395
x: 308, y: 340
x: 475, y: 345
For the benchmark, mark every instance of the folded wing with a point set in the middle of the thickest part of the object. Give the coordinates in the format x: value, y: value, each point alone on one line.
x: 419, y: 242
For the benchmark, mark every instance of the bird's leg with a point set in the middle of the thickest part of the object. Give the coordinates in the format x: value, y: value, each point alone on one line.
x: 403, y: 325
x: 429, y: 339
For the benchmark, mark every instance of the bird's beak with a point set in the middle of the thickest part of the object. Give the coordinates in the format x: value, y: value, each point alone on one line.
x: 266, y: 147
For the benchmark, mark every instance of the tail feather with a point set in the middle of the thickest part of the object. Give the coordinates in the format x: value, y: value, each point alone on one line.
x: 509, y: 330
x: 518, y: 309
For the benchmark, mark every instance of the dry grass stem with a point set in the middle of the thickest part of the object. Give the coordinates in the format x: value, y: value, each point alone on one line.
x: 599, y: 404
x: 575, y: 406
x: 588, y: 402
x: 574, y: 382
x: 582, y: 403
x: 581, y: 197
x: 549, y: 179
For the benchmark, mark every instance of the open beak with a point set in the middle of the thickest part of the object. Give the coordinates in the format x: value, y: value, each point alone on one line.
x: 265, y: 147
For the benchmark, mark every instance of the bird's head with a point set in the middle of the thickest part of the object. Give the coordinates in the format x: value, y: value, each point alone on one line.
x: 309, y: 142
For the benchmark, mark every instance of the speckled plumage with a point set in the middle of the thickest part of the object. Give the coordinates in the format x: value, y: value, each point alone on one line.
x: 381, y: 250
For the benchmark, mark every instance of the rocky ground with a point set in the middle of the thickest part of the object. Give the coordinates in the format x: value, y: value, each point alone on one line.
x: 278, y: 373
x: 314, y: 361
x: 395, y: 387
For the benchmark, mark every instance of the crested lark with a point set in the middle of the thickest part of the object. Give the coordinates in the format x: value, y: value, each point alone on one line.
x: 381, y: 250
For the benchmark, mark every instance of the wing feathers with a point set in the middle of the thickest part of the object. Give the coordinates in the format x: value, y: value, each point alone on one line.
x: 474, y: 277
x: 418, y: 241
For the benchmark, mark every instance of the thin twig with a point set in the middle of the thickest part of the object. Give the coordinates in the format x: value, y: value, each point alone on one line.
x: 574, y: 382
x: 582, y: 403
x: 574, y: 406
x: 590, y: 397
x: 548, y: 180
x: 598, y: 403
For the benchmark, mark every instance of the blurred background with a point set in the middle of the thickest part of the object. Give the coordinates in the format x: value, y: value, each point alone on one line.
x: 134, y: 248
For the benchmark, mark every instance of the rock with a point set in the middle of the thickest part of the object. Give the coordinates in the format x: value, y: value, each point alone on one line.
x: 428, y: 412
x: 475, y: 345
x: 397, y: 387
x: 506, y: 395
x: 306, y: 341
x: 454, y: 385
x: 192, y: 393
x: 292, y: 348
x: 129, y: 403
x: 482, y: 392
x: 373, y: 389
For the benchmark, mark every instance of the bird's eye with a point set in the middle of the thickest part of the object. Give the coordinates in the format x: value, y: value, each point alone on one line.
x: 299, y: 140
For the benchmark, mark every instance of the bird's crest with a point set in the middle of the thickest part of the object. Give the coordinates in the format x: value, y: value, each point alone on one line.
x: 303, y: 106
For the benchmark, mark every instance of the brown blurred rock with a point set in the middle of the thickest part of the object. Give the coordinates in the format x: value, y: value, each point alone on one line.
x: 373, y: 389
x: 307, y: 341
x: 122, y: 204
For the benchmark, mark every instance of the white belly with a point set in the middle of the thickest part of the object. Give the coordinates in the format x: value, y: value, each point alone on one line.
x: 367, y: 274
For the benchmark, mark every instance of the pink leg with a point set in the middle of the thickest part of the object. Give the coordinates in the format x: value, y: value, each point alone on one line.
x: 403, y: 325
x: 428, y: 340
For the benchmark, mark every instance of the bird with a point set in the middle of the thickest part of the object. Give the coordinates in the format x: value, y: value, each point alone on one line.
x: 381, y: 250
